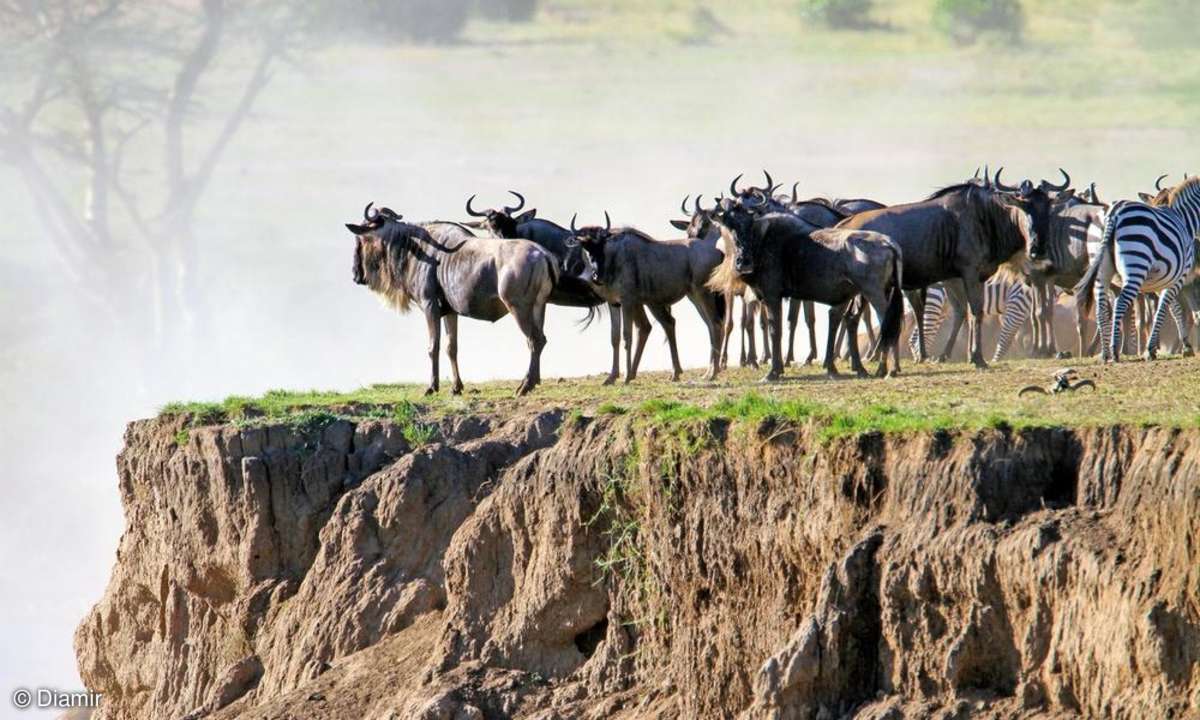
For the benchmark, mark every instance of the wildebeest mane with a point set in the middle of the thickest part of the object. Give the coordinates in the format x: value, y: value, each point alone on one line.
x: 401, y: 243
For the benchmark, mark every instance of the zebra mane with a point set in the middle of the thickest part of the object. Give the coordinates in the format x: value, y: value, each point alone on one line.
x: 1185, y: 190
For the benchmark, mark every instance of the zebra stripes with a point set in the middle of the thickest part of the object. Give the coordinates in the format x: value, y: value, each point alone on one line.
x: 1153, y: 249
x: 1007, y: 299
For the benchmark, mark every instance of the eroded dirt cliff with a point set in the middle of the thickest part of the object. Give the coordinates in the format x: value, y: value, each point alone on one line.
x: 548, y: 565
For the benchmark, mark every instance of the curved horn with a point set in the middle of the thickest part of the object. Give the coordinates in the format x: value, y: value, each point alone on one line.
x: 698, y: 208
x: 769, y: 184
x: 976, y: 175
x: 1001, y: 185
x: 471, y: 212
x: 987, y: 179
x: 520, y: 204
x: 683, y: 205
x: 573, y: 223
x: 607, y: 222
x: 733, y: 185
x: 1066, y: 182
x: 1158, y: 182
x: 367, y: 214
x: 795, y: 196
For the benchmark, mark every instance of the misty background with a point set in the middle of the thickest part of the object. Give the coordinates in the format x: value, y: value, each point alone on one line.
x: 174, y: 178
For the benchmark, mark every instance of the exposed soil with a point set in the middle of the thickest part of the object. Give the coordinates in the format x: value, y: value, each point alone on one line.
x: 543, y: 565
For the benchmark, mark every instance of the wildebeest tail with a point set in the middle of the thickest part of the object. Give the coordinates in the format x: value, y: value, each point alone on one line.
x: 1085, y: 288
x: 893, y: 318
x: 593, y: 312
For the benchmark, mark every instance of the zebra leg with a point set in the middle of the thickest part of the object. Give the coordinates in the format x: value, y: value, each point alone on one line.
x: 1016, y: 312
x: 1127, y: 297
x: 1166, y: 301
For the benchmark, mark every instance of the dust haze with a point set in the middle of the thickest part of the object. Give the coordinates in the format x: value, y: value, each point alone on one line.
x: 623, y: 107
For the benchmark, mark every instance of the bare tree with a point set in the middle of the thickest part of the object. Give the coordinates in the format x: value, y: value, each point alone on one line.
x: 98, y: 114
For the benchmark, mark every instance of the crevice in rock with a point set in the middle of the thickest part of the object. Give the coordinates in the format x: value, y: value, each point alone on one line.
x: 588, y: 640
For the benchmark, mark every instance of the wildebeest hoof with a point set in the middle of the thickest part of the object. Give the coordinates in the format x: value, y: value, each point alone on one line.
x: 609, y: 380
x: 457, y: 389
x: 1188, y: 351
x: 430, y: 390
x: 1062, y: 355
x: 524, y: 388
x: 771, y: 377
x: 862, y: 373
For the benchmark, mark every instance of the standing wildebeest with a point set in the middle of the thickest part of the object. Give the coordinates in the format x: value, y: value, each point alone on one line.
x: 962, y: 231
x: 569, y: 291
x: 449, y: 272
x: 701, y: 227
x: 633, y: 270
x: 780, y: 255
x: 818, y: 212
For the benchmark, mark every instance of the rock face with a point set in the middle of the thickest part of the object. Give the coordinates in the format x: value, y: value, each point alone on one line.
x: 545, y: 567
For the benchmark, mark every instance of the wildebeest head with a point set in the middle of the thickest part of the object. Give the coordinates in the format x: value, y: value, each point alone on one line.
x: 700, y: 223
x: 370, y: 245
x: 1159, y: 198
x: 1037, y: 203
x: 592, y: 240
x: 502, y: 222
x: 738, y: 219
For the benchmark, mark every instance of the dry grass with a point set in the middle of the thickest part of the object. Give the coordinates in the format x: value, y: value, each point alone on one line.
x: 1165, y: 392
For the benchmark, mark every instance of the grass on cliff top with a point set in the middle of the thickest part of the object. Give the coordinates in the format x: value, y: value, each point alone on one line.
x: 924, y: 397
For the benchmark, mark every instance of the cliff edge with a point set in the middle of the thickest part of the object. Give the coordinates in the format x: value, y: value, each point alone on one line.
x: 547, y: 565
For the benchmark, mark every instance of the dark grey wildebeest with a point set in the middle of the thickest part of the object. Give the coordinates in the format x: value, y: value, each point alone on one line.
x: 633, y: 270
x: 963, y: 231
x: 570, y: 290
x: 447, y: 272
x: 780, y: 255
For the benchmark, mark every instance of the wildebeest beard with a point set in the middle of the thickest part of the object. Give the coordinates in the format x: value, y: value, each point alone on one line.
x: 385, y: 255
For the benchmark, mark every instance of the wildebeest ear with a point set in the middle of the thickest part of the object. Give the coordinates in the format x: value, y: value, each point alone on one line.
x: 358, y: 229
x: 680, y: 224
x: 526, y: 216
x: 1066, y: 194
x: 1146, y: 197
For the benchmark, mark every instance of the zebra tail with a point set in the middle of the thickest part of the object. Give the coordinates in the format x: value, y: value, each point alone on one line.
x: 1085, y: 288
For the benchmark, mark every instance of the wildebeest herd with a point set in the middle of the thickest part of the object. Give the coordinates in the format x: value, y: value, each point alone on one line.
x: 970, y: 250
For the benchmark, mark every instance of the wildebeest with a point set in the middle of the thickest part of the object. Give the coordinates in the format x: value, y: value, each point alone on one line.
x: 699, y: 226
x: 629, y: 268
x: 780, y: 255
x: 962, y: 231
x: 447, y: 272
x: 569, y: 291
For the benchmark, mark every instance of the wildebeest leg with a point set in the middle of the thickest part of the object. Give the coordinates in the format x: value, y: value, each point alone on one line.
x: 530, y: 322
x: 793, y: 320
x: 774, y: 313
x: 916, y: 298
x: 810, y: 320
x: 662, y: 313
x: 435, y: 340
x: 705, y: 303
x: 835, y: 322
x: 451, y: 323
x: 749, y: 348
x: 727, y: 328
x: 1080, y: 324
x: 954, y: 303
x: 866, y: 321
x: 850, y: 322
x: 638, y: 318
x: 879, y: 302
x: 974, y: 290
x: 764, y: 323
x: 614, y: 317
x: 1181, y: 311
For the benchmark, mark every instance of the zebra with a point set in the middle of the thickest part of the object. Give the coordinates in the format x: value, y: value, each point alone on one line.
x: 1009, y: 300
x: 1153, y: 249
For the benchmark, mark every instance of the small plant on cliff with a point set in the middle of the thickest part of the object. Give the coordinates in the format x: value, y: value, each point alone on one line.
x: 407, y: 415
x: 182, y: 437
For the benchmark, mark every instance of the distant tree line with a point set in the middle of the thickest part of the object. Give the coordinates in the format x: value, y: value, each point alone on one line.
x: 963, y: 21
x: 422, y: 21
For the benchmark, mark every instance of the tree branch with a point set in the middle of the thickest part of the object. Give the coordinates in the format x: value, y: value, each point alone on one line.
x: 185, y: 87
